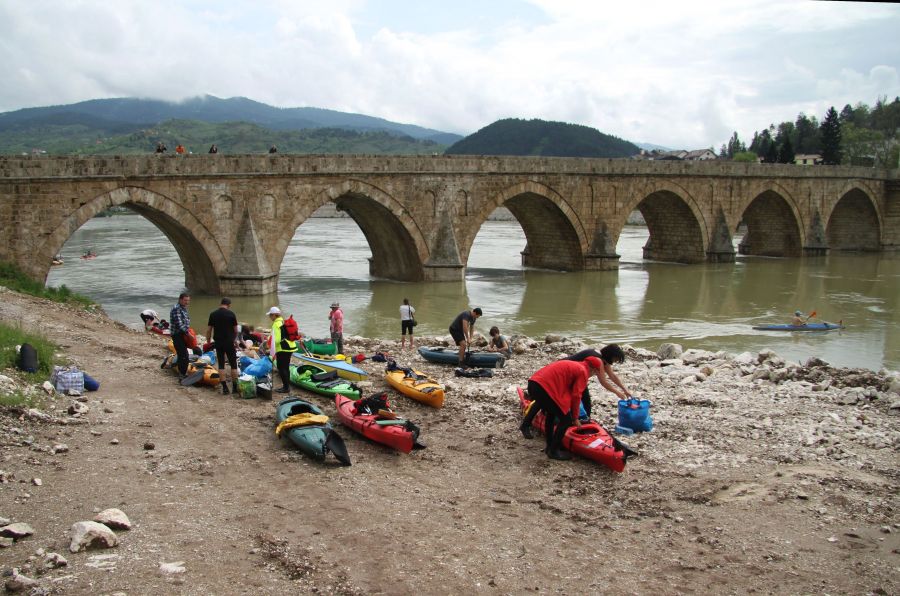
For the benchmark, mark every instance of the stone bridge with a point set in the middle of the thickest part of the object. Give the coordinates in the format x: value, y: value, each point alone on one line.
x: 231, y: 217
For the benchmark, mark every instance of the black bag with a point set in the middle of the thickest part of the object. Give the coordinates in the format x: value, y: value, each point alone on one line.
x: 413, y: 321
x: 28, y: 360
x: 474, y: 373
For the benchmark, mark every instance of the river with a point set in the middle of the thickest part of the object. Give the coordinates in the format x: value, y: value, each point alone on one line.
x: 707, y: 306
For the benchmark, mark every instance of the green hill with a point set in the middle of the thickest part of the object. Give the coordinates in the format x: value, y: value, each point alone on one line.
x: 84, y: 135
x: 513, y: 136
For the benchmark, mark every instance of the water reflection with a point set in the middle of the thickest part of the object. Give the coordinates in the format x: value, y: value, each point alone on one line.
x: 710, y: 306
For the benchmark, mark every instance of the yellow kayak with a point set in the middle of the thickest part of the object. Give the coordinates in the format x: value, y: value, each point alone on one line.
x: 417, y: 385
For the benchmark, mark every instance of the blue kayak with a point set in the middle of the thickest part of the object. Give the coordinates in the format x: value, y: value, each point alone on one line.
x: 806, y: 327
x: 442, y: 355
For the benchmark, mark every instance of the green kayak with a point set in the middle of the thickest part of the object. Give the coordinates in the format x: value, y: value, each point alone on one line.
x: 314, y: 440
x: 318, y: 380
x: 320, y: 346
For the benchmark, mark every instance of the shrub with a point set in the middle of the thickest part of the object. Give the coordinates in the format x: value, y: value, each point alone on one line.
x: 14, y: 279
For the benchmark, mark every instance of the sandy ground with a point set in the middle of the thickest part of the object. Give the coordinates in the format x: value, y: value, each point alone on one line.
x: 744, y: 486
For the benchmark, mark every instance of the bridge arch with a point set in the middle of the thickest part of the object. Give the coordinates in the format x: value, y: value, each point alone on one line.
x: 398, y: 245
x: 854, y: 222
x: 678, y: 230
x: 554, y: 235
x: 774, y: 224
x: 200, y: 253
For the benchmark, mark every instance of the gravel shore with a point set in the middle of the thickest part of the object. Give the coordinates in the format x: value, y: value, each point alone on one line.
x: 760, y: 476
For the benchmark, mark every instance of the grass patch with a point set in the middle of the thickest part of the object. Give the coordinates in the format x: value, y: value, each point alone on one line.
x: 10, y: 337
x: 14, y: 279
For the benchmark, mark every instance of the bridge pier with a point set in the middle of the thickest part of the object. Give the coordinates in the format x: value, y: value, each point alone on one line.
x: 444, y: 272
x: 601, y: 262
x: 720, y: 256
x: 247, y: 285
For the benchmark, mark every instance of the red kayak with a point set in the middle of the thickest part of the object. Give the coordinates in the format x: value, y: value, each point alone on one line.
x: 400, y: 434
x: 590, y: 440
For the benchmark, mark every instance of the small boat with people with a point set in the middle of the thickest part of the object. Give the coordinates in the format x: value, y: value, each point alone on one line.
x: 823, y: 326
x: 56, y: 261
x: 90, y: 254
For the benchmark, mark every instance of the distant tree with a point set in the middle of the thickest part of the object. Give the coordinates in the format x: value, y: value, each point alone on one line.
x: 806, y: 135
x: 723, y: 151
x: 831, y: 138
x: 734, y: 146
x: 746, y: 156
x: 786, y: 151
x: 771, y: 155
x: 885, y: 116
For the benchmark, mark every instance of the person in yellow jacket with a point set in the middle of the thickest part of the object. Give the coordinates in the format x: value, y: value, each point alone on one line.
x: 282, y: 349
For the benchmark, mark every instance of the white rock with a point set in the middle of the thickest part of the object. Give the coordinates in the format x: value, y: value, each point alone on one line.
x: 894, y: 385
x: 744, y: 359
x: 669, y: 351
x: 171, y: 568
x: 48, y: 388
x: 76, y: 408
x: 17, y: 530
x: 54, y: 560
x: 19, y: 582
x: 113, y: 518
x: 34, y: 414
x: 86, y: 534
x: 59, y: 448
x: 37, y: 481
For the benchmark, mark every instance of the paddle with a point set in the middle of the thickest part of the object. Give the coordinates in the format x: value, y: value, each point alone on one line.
x: 335, y: 444
x: 193, y: 378
x: 811, y: 315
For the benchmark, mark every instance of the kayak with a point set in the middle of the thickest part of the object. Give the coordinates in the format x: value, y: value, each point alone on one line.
x: 397, y: 433
x: 343, y: 368
x: 442, y: 355
x: 210, y: 376
x: 327, y: 383
x: 590, y: 440
x: 806, y: 327
x: 314, y: 440
x: 417, y: 385
x: 320, y: 346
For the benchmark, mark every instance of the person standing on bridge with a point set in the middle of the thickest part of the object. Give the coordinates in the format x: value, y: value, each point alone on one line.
x: 180, y: 324
x: 461, y: 330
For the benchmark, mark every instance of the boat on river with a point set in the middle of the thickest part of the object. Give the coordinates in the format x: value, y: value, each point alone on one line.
x: 823, y: 326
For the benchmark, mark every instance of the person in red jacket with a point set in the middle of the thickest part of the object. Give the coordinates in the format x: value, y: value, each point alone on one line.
x: 556, y: 390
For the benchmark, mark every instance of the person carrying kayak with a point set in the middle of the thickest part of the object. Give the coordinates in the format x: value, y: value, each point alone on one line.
x: 556, y: 390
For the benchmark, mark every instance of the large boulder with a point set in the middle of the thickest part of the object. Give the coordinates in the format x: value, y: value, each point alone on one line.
x: 113, y: 518
x: 87, y: 534
x: 669, y: 351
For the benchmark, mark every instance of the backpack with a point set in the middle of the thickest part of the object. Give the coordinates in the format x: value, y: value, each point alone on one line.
x: 290, y: 330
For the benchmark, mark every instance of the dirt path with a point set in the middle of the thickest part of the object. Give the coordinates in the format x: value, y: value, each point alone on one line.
x: 726, y: 497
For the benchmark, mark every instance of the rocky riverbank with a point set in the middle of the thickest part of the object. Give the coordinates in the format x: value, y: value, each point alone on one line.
x: 760, y: 475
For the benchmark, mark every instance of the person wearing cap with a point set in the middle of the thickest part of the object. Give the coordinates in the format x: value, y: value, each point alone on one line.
x: 608, y: 355
x: 798, y: 320
x: 336, y: 316
x: 282, y: 348
x: 461, y: 331
x: 222, y: 330
x: 556, y: 390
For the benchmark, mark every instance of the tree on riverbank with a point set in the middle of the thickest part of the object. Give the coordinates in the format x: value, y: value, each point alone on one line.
x: 831, y: 138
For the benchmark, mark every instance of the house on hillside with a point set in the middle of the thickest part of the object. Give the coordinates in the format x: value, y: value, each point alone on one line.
x: 808, y: 159
x: 699, y: 155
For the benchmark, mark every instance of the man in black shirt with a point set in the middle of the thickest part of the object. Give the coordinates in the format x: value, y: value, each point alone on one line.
x: 461, y: 330
x: 223, y: 331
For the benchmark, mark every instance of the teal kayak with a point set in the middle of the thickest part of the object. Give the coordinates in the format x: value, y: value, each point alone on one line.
x: 315, y: 379
x: 806, y: 327
x: 313, y: 440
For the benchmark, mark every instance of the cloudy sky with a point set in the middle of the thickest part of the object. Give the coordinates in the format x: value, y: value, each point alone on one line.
x: 680, y: 74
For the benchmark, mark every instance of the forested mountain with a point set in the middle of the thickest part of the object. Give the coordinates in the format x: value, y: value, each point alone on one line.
x: 91, y: 126
x: 513, y: 136
x: 857, y: 135
x: 229, y: 137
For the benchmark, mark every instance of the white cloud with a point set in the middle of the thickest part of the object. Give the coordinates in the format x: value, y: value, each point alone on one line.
x: 682, y: 74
